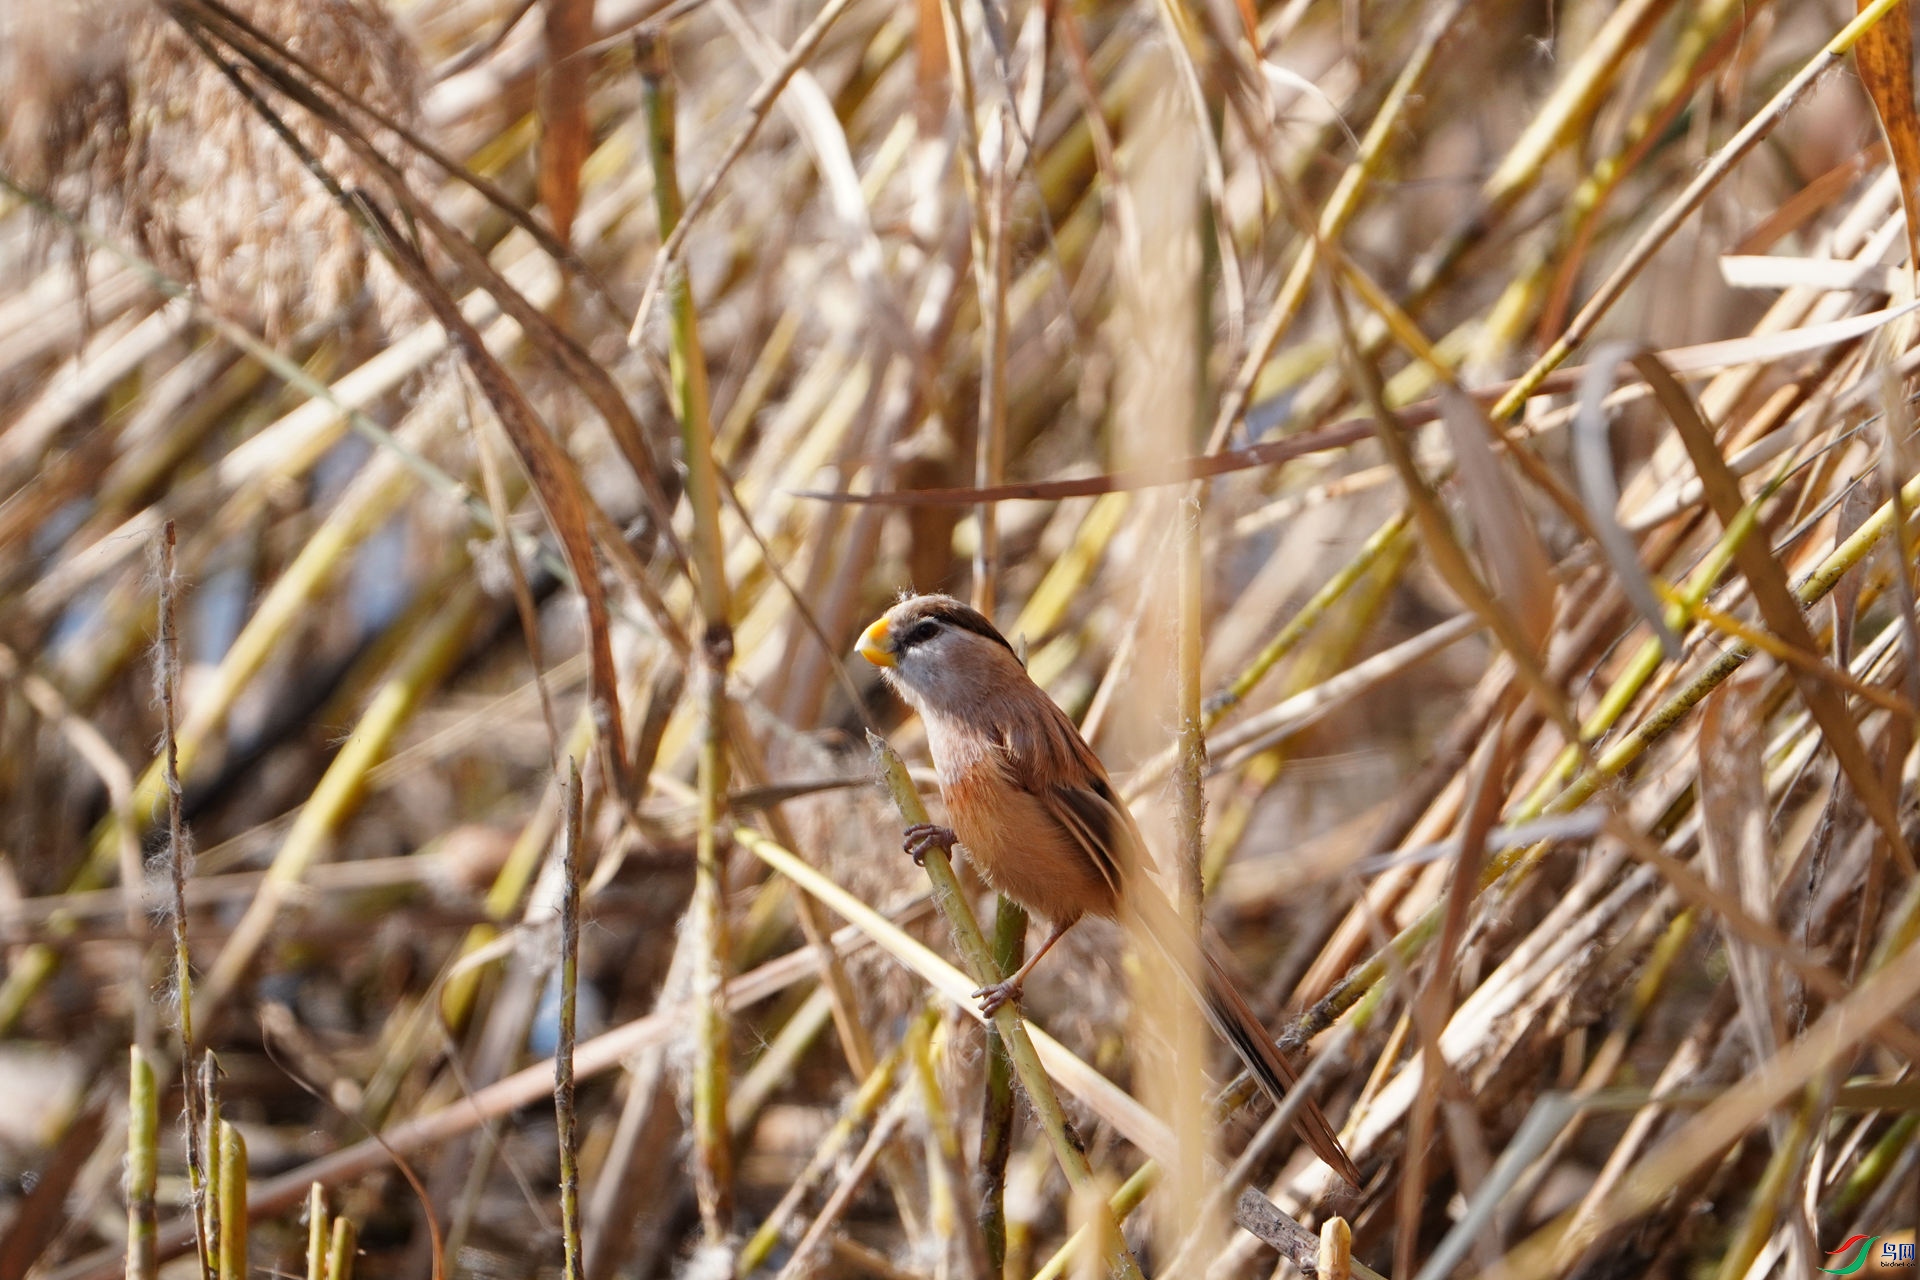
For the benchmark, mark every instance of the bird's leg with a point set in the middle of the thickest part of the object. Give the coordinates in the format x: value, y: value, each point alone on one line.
x: 993, y: 996
x: 922, y: 836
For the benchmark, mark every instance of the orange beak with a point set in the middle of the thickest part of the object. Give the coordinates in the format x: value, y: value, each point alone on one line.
x: 873, y: 645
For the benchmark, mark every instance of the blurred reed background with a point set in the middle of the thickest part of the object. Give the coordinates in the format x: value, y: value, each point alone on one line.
x: 1453, y: 458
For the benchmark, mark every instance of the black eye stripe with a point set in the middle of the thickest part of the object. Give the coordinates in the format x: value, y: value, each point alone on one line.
x: 971, y: 621
x: 953, y: 614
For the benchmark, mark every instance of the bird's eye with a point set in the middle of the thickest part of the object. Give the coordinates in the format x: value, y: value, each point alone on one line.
x: 921, y: 632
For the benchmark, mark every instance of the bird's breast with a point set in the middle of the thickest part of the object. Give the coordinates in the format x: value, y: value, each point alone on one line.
x: 1017, y: 843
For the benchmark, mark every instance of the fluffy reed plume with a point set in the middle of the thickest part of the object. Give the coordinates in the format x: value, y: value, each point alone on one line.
x: 116, y: 115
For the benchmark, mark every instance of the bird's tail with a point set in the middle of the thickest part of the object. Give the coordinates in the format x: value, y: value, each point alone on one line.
x: 1230, y: 1015
x: 1234, y: 1021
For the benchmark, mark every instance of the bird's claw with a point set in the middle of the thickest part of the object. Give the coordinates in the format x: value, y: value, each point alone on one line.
x: 922, y: 836
x: 993, y: 997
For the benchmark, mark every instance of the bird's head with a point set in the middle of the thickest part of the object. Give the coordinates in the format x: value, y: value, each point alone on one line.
x: 939, y: 653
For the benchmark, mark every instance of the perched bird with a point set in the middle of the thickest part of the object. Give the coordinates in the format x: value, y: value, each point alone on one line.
x: 1035, y: 811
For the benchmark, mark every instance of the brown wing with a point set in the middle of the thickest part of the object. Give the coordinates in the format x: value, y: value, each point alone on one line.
x: 1100, y: 825
x: 1047, y: 759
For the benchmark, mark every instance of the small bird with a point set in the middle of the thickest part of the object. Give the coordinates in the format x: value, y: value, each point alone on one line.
x: 1035, y: 811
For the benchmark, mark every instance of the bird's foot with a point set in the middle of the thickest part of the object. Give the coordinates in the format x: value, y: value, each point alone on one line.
x: 991, y: 998
x: 922, y: 836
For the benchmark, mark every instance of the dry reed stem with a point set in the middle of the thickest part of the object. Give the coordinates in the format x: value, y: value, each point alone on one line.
x: 714, y: 1179
x: 143, y: 1167
x: 564, y: 1099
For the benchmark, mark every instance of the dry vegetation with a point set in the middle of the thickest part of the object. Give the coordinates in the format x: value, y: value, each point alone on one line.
x: 400, y: 405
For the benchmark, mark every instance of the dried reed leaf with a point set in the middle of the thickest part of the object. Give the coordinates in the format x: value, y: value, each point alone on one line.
x: 1884, y: 58
x: 1508, y: 540
x: 565, y: 133
x: 555, y: 479
x: 1748, y: 272
x: 1733, y: 803
x: 1593, y: 467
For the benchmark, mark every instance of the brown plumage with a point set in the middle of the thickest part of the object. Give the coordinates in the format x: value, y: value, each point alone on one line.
x: 1037, y: 814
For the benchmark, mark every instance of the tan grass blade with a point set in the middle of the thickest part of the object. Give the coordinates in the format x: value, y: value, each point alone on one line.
x: 1884, y: 58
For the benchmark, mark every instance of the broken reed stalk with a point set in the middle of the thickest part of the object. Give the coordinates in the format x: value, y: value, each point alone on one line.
x: 232, y: 1196
x: 1336, y: 1250
x: 712, y: 655
x: 341, y: 1249
x: 318, y: 1232
x: 143, y: 1168
x: 208, y: 1206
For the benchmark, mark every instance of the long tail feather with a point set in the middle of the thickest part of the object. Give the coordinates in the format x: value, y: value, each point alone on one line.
x: 1230, y: 1015
x: 1234, y: 1021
